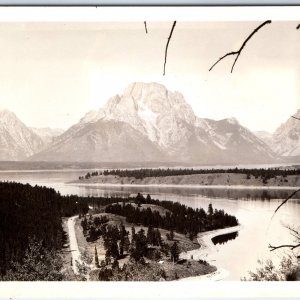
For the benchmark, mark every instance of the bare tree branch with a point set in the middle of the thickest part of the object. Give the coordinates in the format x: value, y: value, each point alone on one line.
x: 166, y: 51
x: 295, y: 233
x: 292, y: 247
x: 285, y: 201
x: 295, y: 118
x: 145, y: 23
x: 238, y: 53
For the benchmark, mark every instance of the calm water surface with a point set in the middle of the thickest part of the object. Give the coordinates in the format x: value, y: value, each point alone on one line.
x: 253, y: 208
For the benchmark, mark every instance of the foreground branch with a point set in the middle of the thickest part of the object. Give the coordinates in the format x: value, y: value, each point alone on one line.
x: 295, y: 118
x: 166, y: 51
x: 295, y: 233
x: 292, y: 247
x: 286, y: 200
x: 238, y: 53
x: 146, y: 27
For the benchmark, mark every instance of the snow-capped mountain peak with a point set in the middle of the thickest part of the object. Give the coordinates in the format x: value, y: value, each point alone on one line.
x: 149, y: 108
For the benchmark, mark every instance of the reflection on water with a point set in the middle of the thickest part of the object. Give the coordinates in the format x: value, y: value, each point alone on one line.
x: 232, y: 194
x: 224, y: 238
x: 253, y: 208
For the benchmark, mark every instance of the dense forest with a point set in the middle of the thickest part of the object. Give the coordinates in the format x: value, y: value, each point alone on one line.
x: 178, y: 217
x: 265, y: 174
x: 31, y: 218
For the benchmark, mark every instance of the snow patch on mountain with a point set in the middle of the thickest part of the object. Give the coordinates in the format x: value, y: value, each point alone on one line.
x: 150, y: 109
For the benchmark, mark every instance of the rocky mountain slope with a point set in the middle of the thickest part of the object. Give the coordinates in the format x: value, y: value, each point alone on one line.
x: 149, y: 123
x: 17, y: 141
x: 286, y: 139
x: 264, y: 136
x: 47, y: 134
x: 101, y: 141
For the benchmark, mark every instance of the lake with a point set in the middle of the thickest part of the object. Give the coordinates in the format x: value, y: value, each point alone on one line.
x: 237, y: 253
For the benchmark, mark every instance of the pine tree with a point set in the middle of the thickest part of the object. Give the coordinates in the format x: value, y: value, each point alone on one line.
x: 210, y: 209
x: 121, y: 245
x: 150, y: 235
x: 170, y: 236
x: 126, y: 245
x: 139, y: 246
x: 174, y: 252
x: 96, y: 258
x: 84, y: 225
x: 158, y: 240
x: 132, y: 233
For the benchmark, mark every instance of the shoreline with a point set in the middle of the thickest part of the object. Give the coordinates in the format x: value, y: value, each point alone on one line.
x: 217, y: 275
x: 198, y: 186
x: 207, y: 247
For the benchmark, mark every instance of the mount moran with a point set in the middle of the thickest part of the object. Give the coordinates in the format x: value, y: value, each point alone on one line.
x: 146, y: 123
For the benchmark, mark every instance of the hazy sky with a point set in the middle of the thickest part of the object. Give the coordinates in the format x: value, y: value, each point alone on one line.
x: 51, y: 74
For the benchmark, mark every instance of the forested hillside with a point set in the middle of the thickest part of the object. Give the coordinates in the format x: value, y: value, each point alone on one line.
x: 178, y: 217
x: 32, y: 214
x: 143, y: 173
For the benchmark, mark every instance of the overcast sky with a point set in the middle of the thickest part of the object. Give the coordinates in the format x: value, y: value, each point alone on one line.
x: 51, y: 74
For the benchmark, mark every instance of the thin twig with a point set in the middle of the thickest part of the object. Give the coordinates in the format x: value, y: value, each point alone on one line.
x: 295, y: 233
x: 288, y: 198
x: 295, y: 118
x: 166, y: 51
x: 292, y: 247
x: 145, y: 23
x: 298, y: 27
x: 238, y: 53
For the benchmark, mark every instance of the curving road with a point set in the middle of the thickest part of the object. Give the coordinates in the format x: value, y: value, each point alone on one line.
x: 73, y: 244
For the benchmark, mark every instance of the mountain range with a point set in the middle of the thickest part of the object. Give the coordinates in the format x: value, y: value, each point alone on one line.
x: 147, y: 123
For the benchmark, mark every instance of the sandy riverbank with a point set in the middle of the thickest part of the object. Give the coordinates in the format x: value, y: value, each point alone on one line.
x: 207, y: 247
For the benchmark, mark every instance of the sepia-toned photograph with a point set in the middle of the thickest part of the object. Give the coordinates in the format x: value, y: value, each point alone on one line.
x: 150, y: 150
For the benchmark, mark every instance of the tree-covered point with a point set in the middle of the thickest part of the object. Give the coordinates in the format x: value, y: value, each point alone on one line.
x: 142, y: 173
x: 178, y: 217
x: 28, y: 213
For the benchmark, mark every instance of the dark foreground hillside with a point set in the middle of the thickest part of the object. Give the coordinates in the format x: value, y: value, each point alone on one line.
x: 32, y: 215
